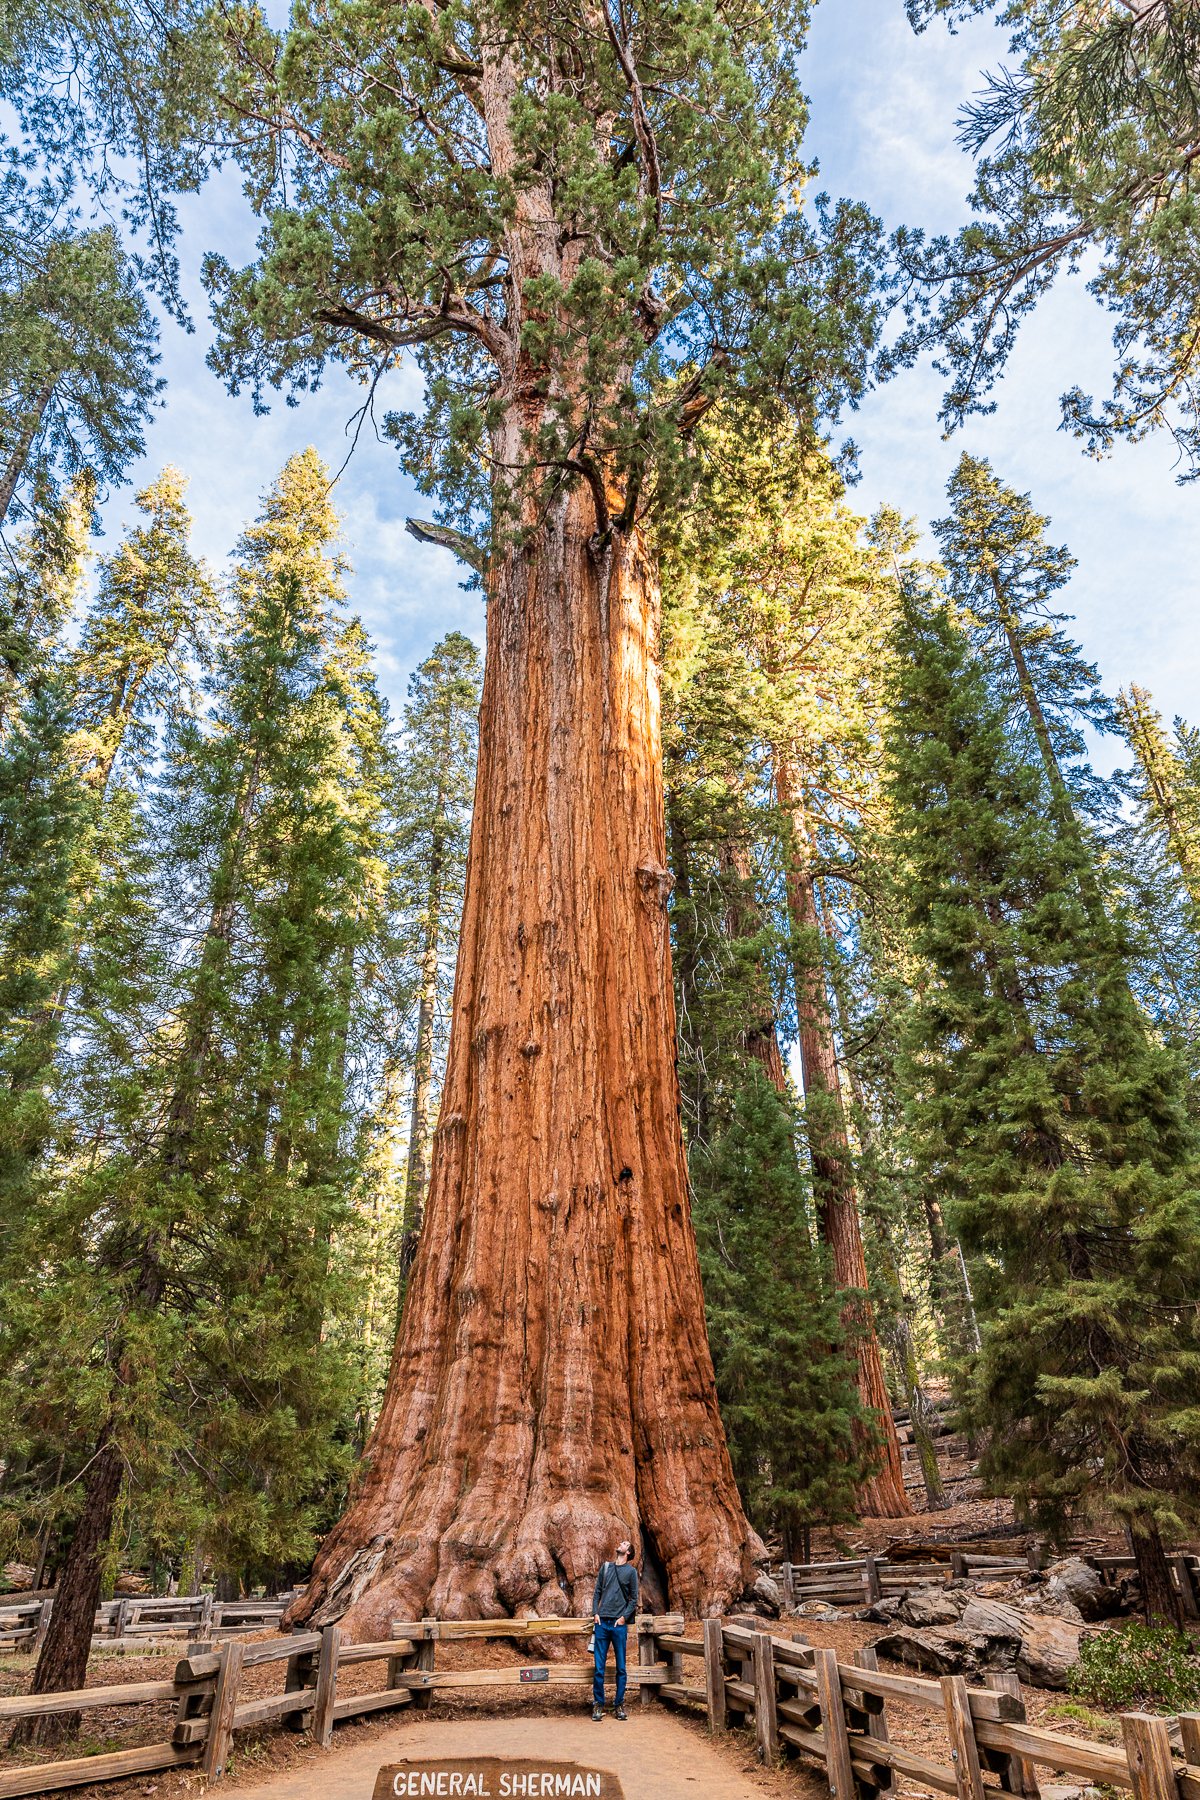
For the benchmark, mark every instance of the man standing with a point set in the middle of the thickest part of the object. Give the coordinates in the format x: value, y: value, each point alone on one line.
x: 614, y: 1604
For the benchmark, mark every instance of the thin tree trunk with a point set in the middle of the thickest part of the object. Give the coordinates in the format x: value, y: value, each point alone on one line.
x: 551, y: 1387
x: 687, y: 964
x: 416, y: 1175
x: 743, y: 919
x: 63, y: 1661
x: 882, y: 1495
x: 1160, y: 1602
x: 16, y: 462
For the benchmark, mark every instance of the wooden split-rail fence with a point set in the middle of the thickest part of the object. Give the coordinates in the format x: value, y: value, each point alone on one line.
x: 860, y: 1581
x: 794, y: 1697
x: 129, y: 1622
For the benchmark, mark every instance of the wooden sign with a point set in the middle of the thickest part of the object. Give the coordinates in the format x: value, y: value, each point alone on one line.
x: 494, y: 1778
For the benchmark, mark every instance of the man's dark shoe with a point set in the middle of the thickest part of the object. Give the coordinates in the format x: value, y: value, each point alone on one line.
x: 618, y: 1712
x: 597, y: 1712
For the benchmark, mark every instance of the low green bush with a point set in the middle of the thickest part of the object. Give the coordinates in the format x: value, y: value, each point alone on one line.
x: 1137, y: 1666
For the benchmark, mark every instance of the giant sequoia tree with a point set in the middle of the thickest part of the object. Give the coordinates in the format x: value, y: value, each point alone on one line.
x: 585, y: 224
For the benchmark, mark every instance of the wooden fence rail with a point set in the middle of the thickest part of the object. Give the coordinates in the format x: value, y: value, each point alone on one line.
x: 23, y: 1624
x: 799, y: 1698
x: 795, y: 1698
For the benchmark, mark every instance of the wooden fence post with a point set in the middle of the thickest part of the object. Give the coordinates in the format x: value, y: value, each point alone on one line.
x: 1187, y: 1585
x: 424, y: 1659
x: 1189, y: 1730
x: 1017, y: 1775
x: 119, y: 1618
x: 220, y: 1728
x: 301, y: 1674
x: 785, y: 1576
x: 871, y: 1578
x: 204, y: 1622
x: 766, y: 1718
x: 714, y: 1673
x: 958, y: 1565
x: 838, y: 1768
x: 1148, y: 1747
x: 960, y: 1727
x: 647, y: 1651
x: 43, y: 1626
x: 874, y: 1717
x: 327, y: 1674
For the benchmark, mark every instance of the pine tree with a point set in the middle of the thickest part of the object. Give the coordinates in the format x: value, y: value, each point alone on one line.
x: 191, y: 1249
x: 797, y: 1434
x: 1003, y: 575
x: 1086, y: 150
x: 1052, y: 1119
x: 433, y: 808
x: 40, y: 581
x: 77, y: 354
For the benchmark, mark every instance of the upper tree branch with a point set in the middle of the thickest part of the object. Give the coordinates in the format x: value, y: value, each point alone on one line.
x: 643, y: 130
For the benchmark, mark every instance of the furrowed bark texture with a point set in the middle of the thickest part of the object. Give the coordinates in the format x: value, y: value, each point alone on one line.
x: 551, y: 1387
x: 883, y: 1494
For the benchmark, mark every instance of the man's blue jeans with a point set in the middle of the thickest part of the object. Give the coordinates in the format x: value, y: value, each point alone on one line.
x: 606, y: 1635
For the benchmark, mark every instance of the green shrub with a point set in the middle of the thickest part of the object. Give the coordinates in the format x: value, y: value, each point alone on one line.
x: 1140, y: 1665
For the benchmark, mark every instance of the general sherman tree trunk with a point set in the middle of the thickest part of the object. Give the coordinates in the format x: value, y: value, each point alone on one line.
x: 883, y: 1495
x: 551, y: 1387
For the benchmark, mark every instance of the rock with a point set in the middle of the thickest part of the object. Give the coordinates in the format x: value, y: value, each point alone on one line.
x: 931, y: 1606
x: 1076, y: 1582
x: 1049, y: 1650
x: 818, y: 1609
x: 881, y: 1612
x: 766, y: 1593
x: 938, y: 1650
x: 991, y: 1634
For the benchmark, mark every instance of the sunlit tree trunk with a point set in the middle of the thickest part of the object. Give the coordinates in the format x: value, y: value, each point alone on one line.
x: 882, y: 1495
x: 551, y: 1387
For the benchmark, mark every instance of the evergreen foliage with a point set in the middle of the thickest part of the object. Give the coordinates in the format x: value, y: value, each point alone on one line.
x: 1085, y: 158
x: 784, y: 1377
x: 1048, y: 1113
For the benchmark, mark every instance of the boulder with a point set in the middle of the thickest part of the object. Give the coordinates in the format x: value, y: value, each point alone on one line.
x: 931, y: 1606
x: 818, y: 1609
x: 937, y: 1649
x: 1075, y: 1581
x: 1049, y: 1650
x: 767, y: 1595
x: 990, y: 1634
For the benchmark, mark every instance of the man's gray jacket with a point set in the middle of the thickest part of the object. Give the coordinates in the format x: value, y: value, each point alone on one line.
x: 616, y: 1594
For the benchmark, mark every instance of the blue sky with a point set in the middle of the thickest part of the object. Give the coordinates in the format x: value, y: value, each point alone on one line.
x: 884, y: 107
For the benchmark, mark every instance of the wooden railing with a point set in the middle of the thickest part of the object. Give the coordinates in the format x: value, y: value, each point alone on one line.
x: 23, y: 1624
x: 795, y: 1698
x: 207, y: 1691
x: 799, y: 1698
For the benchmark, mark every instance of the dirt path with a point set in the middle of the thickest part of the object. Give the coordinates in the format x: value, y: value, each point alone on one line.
x: 656, y: 1755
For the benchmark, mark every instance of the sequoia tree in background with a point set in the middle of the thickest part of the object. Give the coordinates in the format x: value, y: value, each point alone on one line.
x: 579, y: 223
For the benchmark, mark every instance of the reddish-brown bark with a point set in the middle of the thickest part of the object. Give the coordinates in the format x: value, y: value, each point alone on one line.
x: 551, y: 1387
x: 883, y: 1494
